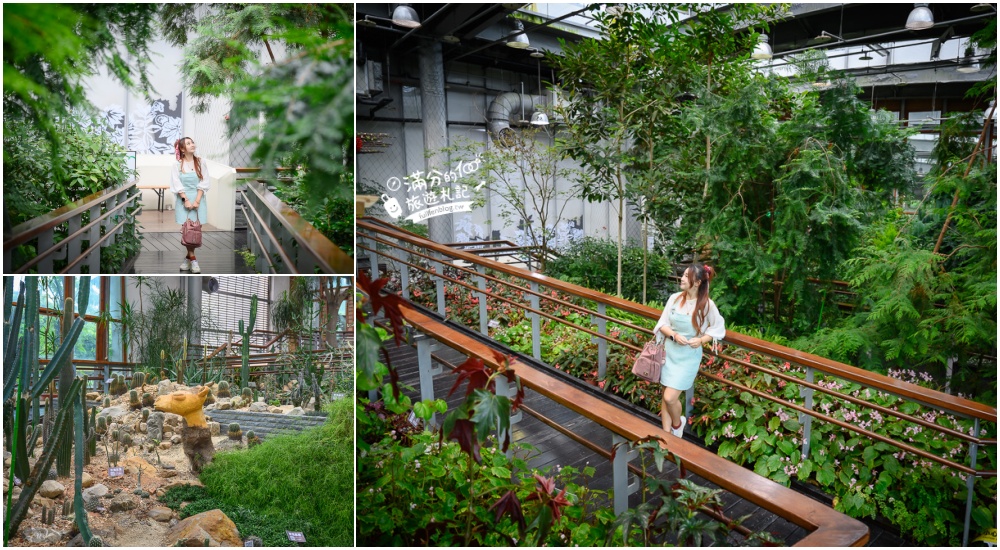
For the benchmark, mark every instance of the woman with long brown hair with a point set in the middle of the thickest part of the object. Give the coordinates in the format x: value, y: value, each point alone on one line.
x: 689, y: 320
x: 189, y: 182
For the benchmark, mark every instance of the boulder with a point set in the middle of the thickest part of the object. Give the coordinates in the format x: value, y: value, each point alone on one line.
x: 276, y: 410
x: 175, y: 439
x: 212, y: 526
x: 173, y: 420
x: 112, y: 412
x: 224, y: 405
x: 161, y: 514
x: 165, y: 445
x: 93, y: 396
x: 165, y: 387
x: 123, y: 503
x: 40, y: 535
x: 297, y: 411
x: 97, y: 491
x: 143, y: 427
x: 135, y: 463
x: 51, y: 489
x: 87, y: 480
x: 154, y: 426
x: 259, y: 407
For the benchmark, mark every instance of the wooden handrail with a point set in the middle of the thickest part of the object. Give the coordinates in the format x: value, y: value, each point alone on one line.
x: 329, y: 258
x: 827, y: 526
x: 874, y: 380
x: 30, y: 229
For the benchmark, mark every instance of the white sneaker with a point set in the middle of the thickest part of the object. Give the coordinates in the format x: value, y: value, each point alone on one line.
x: 679, y: 432
x: 186, y: 265
x: 194, y: 267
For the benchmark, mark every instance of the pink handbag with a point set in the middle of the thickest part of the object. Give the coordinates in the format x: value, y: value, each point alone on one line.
x: 191, y: 232
x: 647, y: 366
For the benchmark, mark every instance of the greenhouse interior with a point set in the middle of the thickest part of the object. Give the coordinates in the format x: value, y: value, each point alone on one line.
x: 178, y: 411
x: 795, y: 204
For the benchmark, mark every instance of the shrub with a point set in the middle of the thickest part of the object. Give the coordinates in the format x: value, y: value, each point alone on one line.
x: 593, y: 263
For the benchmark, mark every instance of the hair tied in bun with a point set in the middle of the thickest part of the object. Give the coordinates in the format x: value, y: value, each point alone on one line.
x: 710, y: 272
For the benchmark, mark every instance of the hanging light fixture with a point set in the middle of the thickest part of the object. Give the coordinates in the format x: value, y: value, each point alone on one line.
x: 763, y: 49
x: 981, y: 7
x: 920, y: 18
x: 405, y: 16
x: 517, y: 38
x: 968, y: 62
x: 536, y: 53
x: 865, y: 56
x: 539, y: 118
x: 826, y: 37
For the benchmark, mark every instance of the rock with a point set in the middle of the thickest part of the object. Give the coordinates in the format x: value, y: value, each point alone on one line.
x: 173, y: 420
x: 165, y: 387
x: 209, y: 408
x: 51, y: 489
x: 161, y: 514
x: 259, y: 407
x: 87, y: 480
x: 123, y: 503
x: 276, y: 410
x: 215, y: 428
x: 212, y: 526
x: 168, y: 432
x: 224, y: 405
x: 134, y: 463
x: 16, y: 493
x: 143, y: 427
x: 154, y: 426
x: 167, y: 473
x: 175, y: 439
x: 165, y: 445
x: 97, y: 491
x: 40, y: 535
x: 93, y: 396
x: 297, y: 411
x: 112, y: 412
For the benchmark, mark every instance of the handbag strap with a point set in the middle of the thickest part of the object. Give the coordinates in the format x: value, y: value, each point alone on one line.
x: 196, y: 215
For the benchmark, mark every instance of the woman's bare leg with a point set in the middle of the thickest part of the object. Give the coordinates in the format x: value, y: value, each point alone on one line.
x: 670, y: 408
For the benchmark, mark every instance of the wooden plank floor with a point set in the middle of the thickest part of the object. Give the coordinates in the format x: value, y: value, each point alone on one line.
x: 162, y: 253
x: 554, y: 449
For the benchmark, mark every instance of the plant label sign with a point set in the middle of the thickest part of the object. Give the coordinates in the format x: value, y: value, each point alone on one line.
x: 413, y: 420
x: 117, y: 471
x: 493, y: 323
x: 248, y: 542
x: 295, y: 536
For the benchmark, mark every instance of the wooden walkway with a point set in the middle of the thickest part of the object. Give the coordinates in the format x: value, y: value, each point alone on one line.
x: 162, y: 252
x: 556, y: 449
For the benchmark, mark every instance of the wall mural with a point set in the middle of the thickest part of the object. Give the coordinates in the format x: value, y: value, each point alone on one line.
x: 152, y: 128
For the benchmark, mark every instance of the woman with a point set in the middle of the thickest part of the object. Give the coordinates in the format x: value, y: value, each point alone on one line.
x: 189, y: 183
x: 689, y: 320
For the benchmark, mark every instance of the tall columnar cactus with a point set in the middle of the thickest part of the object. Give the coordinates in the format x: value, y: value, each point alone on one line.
x: 67, y: 373
x: 245, y: 333
x: 118, y: 385
x: 182, y: 362
x: 138, y: 380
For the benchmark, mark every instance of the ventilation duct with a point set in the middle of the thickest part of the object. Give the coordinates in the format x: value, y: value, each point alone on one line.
x: 508, y: 109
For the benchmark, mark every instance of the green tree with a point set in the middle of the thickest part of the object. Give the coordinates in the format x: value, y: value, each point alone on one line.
x: 305, y: 95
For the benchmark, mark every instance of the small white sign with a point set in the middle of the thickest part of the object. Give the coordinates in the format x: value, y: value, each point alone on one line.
x: 117, y: 471
x: 295, y: 536
x: 413, y: 420
x: 493, y: 323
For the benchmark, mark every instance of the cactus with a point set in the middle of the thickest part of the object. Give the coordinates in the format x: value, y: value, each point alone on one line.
x: 223, y: 390
x: 210, y: 398
x: 182, y: 362
x: 247, y: 395
x: 90, y: 435
x: 138, y: 380
x: 252, y: 439
x: 106, y: 403
x: 145, y: 415
x: 48, y: 515
x: 67, y: 508
x: 117, y: 385
x: 96, y: 541
x: 133, y: 399
x: 245, y: 343
x: 234, y: 432
x: 148, y: 400
x: 102, y: 425
x: 126, y: 439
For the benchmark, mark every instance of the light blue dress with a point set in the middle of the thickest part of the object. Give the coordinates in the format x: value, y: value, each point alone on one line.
x: 682, y: 362
x: 189, y: 182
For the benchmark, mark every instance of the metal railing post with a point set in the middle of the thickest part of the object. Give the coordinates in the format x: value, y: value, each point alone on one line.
x: 404, y: 280
x: 503, y: 389
x: 806, y: 419
x: 970, y: 484
x: 602, y: 344
x: 483, y: 314
x: 536, y: 325
x: 619, y: 467
x: 442, y: 305
x: 427, y: 371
